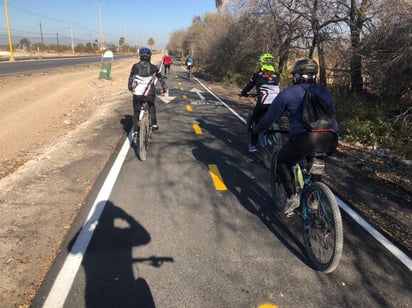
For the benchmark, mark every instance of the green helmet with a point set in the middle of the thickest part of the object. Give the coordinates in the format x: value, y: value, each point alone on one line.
x: 266, y: 62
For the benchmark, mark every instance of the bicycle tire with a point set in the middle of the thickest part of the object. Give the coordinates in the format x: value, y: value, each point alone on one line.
x: 322, y: 228
x: 275, y: 144
x: 144, y: 135
x: 278, y: 190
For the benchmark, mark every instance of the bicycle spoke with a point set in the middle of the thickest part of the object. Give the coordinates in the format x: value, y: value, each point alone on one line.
x: 323, y: 233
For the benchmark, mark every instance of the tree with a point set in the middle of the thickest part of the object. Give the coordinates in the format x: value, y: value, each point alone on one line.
x: 24, y: 44
x: 122, y: 42
x: 356, y: 15
x: 151, y: 42
x: 175, y: 45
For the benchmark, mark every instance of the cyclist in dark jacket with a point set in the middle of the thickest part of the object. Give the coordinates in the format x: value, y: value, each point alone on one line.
x: 144, y: 68
x: 267, y: 84
x: 302, y: 143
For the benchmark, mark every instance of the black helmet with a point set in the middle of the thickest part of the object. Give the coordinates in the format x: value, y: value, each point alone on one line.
x: 305, y: 67
x: 145, y: 53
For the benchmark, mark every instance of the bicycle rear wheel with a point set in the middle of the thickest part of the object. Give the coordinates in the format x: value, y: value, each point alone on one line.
x: 144, y: 133
x: 278, y: 190
x: 322, y: 228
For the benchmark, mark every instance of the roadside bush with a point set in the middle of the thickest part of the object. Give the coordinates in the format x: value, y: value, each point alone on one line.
x: 373, y: 123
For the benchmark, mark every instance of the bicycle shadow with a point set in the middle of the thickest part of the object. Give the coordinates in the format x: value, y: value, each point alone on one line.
x: 111, y: 273
x: 250, y: 194
x: 127, y: 122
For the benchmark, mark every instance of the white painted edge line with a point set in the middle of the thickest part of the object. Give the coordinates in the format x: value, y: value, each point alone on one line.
x: 400, y: 255
x: 218, y: 98
x: 64, y: 280
x: 222, y: 102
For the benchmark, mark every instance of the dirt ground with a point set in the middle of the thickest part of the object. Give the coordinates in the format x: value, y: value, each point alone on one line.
x: 48, y: 120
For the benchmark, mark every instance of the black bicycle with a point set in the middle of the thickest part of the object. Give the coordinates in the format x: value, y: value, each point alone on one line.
x: 319, y: 211
x: 142, y: 87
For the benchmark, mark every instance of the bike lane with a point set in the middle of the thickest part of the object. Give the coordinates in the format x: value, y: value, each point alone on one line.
x: 170, y: 235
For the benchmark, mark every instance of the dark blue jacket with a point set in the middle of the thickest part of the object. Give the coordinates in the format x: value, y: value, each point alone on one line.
x: 290, y: 103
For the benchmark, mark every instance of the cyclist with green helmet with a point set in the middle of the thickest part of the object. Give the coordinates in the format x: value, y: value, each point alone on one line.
x: 267, y: 84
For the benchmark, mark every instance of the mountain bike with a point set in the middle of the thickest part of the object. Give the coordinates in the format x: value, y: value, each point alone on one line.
x: 142, y: 87
x: 319, y: 211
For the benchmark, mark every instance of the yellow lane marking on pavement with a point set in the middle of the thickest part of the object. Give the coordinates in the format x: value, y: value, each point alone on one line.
x: 197, y: 129
x: 217, y: 178
x: 181, y: 89
x: 189, y: 108
x: 184, y: 96
x: 267, y: 306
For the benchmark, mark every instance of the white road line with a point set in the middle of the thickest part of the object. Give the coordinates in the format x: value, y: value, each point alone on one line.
x: 399, y: 254
x: 67, y: 274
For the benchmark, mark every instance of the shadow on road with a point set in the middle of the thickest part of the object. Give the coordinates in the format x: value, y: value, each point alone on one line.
x: 111, y: 273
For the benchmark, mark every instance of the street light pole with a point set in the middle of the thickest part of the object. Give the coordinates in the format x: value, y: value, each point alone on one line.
x: 8, y: 32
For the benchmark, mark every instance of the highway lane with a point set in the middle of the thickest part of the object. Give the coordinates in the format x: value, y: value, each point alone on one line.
x: 168, y: 236
x: 33, y: 65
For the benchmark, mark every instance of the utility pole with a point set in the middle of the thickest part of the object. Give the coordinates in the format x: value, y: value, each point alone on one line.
x: 57, y: 34
x: 8, y: 32
x: 41, y: 35
x: 71, y: 34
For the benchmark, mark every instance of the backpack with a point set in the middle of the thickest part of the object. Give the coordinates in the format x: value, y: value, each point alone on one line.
x: 144, y: 68
x: 317, y: 113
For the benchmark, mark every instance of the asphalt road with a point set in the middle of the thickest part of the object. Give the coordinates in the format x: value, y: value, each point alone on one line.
x: 161, y: 233
x: 27, y: 65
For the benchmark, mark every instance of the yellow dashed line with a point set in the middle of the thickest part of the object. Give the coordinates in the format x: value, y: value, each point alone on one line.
x: 217, y: 178
x: 197, y: 129
x: 267, y: 306
x: 184, y: 96
x: 181, y: 89
x: 189, y: 108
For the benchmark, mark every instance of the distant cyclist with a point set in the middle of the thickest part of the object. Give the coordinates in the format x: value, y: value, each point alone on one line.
x: 167, y: 61
x: 267, y: 84
x: 144, y: 68
x: 302, y: 143
x: 189, y: 65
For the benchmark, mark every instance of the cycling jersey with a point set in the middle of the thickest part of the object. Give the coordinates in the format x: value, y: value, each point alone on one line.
x: 267, y: 88
x: 290, y: 102
x: 167, y: 60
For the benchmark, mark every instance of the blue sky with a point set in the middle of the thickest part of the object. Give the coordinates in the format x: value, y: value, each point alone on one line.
x: 137, y: 20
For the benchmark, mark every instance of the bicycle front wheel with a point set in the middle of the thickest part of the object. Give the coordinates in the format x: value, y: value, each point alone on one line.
x: 322, y: 228
x: 278, y: 189
x: 144, y: 132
